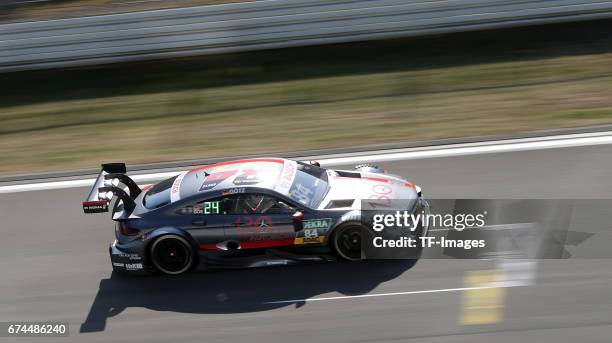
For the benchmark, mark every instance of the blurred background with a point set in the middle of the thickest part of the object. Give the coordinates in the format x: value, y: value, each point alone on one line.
x: 144, y: 81
x: 160, y: 81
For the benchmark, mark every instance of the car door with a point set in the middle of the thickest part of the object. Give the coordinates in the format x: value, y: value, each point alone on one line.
x: 205, y: 221
x: 260, y: 220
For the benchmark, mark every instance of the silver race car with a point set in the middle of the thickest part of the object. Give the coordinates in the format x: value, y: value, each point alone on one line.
x: 243, y: 213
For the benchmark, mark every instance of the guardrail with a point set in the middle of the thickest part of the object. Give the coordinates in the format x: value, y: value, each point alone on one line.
x: 263, y: 25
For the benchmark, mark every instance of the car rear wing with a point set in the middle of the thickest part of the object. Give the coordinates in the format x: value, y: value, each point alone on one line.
x: 107, y: 187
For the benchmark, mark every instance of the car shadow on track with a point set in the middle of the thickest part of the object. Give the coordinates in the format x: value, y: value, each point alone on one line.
x: 237, y: 291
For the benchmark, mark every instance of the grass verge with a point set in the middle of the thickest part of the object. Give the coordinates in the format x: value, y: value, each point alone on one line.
x: 496, y: 82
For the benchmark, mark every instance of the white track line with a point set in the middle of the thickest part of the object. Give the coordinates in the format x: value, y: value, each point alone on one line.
x: 78, y: 183
x: 549, y: 142
x: 445, y: 290
x: 523, y: 144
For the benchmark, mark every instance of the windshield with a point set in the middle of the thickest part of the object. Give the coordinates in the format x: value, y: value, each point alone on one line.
x: 309, y: 186
x: 158, y: 195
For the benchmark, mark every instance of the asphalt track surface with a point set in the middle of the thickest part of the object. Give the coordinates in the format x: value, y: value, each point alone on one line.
x: 55, y: 267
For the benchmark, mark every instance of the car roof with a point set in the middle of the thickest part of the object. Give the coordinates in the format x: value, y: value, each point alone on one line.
x: 269, y: 173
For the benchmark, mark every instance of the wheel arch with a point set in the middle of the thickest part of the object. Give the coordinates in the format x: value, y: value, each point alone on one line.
x: 353, y: 216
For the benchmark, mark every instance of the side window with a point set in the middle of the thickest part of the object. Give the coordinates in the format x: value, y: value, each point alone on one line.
x: 281, y: 207
x: 220, y: 205
x: 261, y: 204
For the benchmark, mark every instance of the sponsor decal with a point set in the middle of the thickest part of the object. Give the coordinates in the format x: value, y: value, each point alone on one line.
x: 95, y: 206
x: 261, y: 232
x: 175, y: 191
x: 247, y: 178
x: 301, y: 193
x: 255, y: 228
x: 309, y: 240
x: 287, y: 177
x: 263, y: 223
x: 213, y: 180
x: 130, y: 256
x: 133, y: 266
x: 381, y: 196
x: 323, y: 223
x: 314, y: 231
x: 234, y: 191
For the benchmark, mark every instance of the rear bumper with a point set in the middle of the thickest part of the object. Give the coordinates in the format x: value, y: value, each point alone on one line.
x: 127, y: 259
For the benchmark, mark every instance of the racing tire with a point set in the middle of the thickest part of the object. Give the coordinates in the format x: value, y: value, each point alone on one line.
x: 347, y: 241
x: 172, y: 255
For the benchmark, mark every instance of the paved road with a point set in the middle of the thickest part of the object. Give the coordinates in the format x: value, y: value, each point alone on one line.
x: 55, y: 267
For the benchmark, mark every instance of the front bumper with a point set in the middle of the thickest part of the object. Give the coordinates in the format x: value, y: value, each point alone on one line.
x: 127, y: 259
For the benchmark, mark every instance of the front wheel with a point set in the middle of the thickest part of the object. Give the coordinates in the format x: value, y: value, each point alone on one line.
x: 347, y: 241
x: 172, y: 255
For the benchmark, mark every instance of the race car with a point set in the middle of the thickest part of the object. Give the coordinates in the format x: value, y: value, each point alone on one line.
x: 243, y: 213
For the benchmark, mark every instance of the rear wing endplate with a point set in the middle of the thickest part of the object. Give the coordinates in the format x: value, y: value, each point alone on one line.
x: 106, y: 187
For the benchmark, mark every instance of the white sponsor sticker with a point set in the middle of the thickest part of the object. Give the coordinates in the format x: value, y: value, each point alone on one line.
x: 133, y: 266
x: 175, y: 191
x: 287, y: 176
x: 130, y: 256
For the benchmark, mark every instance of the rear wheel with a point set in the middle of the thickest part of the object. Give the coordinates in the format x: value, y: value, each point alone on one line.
x: 347, y: 241
x: 172, y: 255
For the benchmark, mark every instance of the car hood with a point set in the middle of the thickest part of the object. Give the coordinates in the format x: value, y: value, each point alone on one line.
x: 378, y: 189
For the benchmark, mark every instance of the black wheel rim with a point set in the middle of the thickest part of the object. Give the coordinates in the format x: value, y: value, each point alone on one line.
x: 348, y: 243
x: 171, y: 256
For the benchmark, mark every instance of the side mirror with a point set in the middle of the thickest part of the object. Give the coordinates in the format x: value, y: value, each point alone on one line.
x: 298, y: 216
